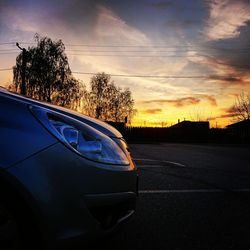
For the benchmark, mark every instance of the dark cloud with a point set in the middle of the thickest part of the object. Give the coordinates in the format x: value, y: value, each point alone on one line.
x: 181, y: 23
x: 76, y: 16
x: 182, y: 18
x: 232, y: 74
x: 227, y: 113
x: 76, y: 11
x: 152, y: 111
x: 180, y: 102
x: 233, y: 52
x: 240, y: 80
x: 163, y: 4
x: 226, y: 116
x: 211, y: 99
x: 230, y: 79
x: 226, y: 78
x: 221, y: 116
x: 230, y: 111
x: 179, y: 5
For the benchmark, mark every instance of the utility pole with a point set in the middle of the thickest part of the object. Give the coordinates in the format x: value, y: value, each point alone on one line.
x: 23, y: 84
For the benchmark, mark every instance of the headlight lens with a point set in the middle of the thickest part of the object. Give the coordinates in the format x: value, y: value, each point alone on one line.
x: 80, y: 137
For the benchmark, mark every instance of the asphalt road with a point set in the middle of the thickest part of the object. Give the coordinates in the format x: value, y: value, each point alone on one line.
x: 191, y: 197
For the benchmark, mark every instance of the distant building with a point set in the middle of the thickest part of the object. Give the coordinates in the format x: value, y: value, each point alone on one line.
x: 189, y: 131
x: 190, y: 125
x: 240, y: 125
x: 120, y: 126
x: 241, y: 130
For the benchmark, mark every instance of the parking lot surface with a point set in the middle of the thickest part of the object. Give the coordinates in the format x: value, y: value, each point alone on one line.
x: 190, y: 197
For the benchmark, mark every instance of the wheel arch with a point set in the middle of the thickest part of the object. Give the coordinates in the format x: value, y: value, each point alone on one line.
x: 13, y: 193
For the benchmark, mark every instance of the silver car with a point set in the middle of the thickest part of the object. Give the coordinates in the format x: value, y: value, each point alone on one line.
x: 63, y: 175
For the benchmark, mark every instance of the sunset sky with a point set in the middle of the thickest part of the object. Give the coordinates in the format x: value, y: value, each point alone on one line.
x: 181, y: 59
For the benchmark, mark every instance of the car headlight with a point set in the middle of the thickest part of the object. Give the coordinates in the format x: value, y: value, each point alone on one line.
x: 80, y: 137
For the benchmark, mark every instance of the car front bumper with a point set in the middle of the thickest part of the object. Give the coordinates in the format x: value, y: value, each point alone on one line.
x: 111, y: 209
x: 73, y: 197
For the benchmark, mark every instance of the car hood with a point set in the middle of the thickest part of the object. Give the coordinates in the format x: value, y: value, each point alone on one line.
x: 97, y: 124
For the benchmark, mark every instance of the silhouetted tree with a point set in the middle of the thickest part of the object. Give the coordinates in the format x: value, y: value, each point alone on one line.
x: 242, y: 107
x: 48, y: 75
x: 108, y: 102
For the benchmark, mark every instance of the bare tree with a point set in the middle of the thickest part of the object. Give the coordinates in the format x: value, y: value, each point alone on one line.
x: 198, y: 114
x: 242, y: 107
x: 99, y: 94
x: 107, y: 102
x: 47, y: 73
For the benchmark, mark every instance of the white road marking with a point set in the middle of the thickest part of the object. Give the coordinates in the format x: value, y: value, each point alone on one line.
x: 150, y: 166
x: 158, y: 162
x: 191, y: 191
x: 174, y: 163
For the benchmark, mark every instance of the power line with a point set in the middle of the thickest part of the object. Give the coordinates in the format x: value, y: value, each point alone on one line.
x: 137, y: 46
x: 151, y: 56
x: 7, y: 53
x: 218, y: 77
x: 4, y: 51
x: 109, y: 55
x: 14, y: 43
x: 149, y: 51
x: 157, y: 76
x: 13, y: 51
x: 128, y: 46
x: 153, y: 46
x: 7, y: 43
x: 134, y: 51
x: 6, y: 69
x: 8, y: 50
x: 118, y: 55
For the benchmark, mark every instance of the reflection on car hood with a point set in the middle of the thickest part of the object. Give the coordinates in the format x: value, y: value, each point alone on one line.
x: 97, y: 124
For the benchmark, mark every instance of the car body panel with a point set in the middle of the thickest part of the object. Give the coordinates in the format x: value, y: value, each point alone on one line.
x: 68, y: 194
x: 60, y: 185
x: 21, y: 136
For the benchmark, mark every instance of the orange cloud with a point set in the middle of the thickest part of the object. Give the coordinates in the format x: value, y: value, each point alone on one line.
x: 152, y: 111
x: 180, y: 102
x: 211, y: 99
x: 221, y: 116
